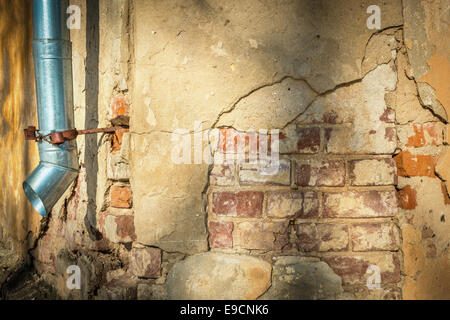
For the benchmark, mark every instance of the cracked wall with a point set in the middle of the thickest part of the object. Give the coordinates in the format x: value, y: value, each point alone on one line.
x: 361, y: 180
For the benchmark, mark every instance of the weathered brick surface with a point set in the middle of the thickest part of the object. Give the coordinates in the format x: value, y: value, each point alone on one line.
x: 407, y: 198
x: 360, y: 204
x: 375, y: 237
x: 373, y: 172
x: 419, y: 135
x: 261, y: 235
x: 240, y: 204
x: 145, y: 262
x: 347, y: 139
x: 117, y: 139
x: 220, y: 234
x: 322, y: 237
x: 222, y: 175
x: 300, y: 140
x: 117, y: 167
x: 236, y: 141
x: 352, y: 269
x: 121, y: 197
x: 119, y: 107
x: 315, y: 173
x: 118, y: 229
x: 288, y: 204
x: 272, y: 174
x: 410, y: 165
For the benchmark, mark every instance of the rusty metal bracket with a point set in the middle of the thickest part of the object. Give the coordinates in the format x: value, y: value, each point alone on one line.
x: 57, y: 138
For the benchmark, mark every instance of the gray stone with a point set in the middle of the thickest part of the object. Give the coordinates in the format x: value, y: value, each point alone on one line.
x: 218, y: 276
x: 295, y: 278
x: 429, y: 99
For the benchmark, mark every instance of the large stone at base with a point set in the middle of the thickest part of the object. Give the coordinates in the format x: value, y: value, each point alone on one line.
x: 218, y: 276
x: 295, y: 278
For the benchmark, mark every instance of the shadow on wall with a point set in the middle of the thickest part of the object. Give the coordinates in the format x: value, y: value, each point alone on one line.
x: 18, y: 223
x: 91, y: 118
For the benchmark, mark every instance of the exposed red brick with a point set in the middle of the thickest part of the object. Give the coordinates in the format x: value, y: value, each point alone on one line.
x: 292, y: 204
x: 375, y: 236
x: 359, y: 204
x: 145, y: 262
x: 125, y: 227
x: 407, y: 198
x: 222, y: 175
x: 121, y: 197
x: 119, y: 107
x: 352, y: 269
x: 117, y: 139
x: 241, y: 204
x: 320, y: 173
x: 322, y: 237
x: 303, y: 140
x: 257, y: 235
x: 409, y: 165
x: 372, y: 172
x: 308, y: 139
x: 220, y: 234
x: 425, y: 134
x: 230, y: 140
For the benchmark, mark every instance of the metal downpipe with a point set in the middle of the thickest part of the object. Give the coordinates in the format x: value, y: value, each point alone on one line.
x: 52, y: 55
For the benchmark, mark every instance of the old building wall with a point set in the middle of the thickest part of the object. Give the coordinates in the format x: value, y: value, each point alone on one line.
x: 359, y: 188
x: 19, y: 225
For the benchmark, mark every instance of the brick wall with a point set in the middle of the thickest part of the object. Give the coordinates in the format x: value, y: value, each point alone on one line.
x: 323, y: 202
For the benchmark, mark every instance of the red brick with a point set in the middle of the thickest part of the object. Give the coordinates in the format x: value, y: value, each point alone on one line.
x: 375, y: 236
x: 220, y: 234
x: 373, y: 172
x: 121, y: 197
x: 241, y: 204
x: 117, y: 139
x: 303, y: 140
x: 292, y: 204
x: 125, y: 227
x: 359, y: 204
x: 145, y: 262
x: 428, y: 134
x: 409, y: 165
x: 119, y: 107
x: 117, y: 229
x: 407, y: 198
x: 320, y: 173
x: 258, y: 235
x: 222, y: 175
x: 322, y: 237
x: 348, y: 139
x: 231, y: 139
x: 352, y: 269
x: 268, y: 174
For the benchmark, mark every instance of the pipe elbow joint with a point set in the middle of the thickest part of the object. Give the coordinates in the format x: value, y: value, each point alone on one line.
x: 46, y: 184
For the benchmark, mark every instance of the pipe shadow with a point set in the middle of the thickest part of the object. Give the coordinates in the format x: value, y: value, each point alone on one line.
x: 91, y: 115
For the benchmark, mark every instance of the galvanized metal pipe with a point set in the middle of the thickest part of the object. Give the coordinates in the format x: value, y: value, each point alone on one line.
x: 52, y: 54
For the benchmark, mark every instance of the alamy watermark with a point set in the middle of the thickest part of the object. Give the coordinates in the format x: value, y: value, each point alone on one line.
x: 227, y: 146
x: 374, y: 20
x: 374, y: 281
x: 73, y: 282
